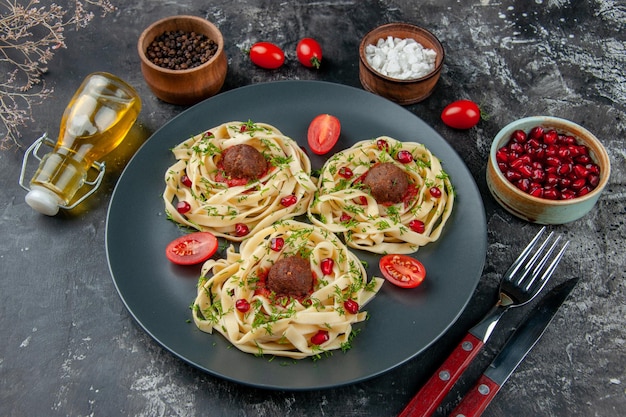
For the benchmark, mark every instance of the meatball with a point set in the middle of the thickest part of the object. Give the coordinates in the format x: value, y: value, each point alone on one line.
x: 291, y: 276
x: 387, y: 183
x: 243, y: 161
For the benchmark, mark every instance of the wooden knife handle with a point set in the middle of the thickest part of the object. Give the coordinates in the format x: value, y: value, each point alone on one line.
x: 426, y: 401
x: 477, y: 399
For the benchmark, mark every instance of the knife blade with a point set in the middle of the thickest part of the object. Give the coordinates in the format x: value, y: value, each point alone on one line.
x: 513, y: 352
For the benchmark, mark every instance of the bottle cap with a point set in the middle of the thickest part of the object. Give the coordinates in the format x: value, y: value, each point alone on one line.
x: 44, y: 201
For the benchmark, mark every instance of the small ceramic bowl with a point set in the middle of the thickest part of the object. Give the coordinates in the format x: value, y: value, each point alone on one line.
x: 184, y: 86
x: 403, y: 92
x: 542, y: 210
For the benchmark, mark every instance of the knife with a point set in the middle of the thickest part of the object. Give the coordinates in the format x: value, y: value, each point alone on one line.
x: 513, y: 352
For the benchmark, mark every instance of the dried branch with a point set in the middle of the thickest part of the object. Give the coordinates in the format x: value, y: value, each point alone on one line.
x: 29, y: 37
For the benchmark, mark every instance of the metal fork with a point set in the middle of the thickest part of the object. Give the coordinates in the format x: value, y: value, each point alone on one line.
x: 524, y: 279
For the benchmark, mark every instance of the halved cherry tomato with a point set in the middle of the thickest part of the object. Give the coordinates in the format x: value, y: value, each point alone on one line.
x: 402, y: 270
x: 267, y: 55
x: 309, y: 53
x: 323, y: 133
x: 191, y: 249
x: 461, y: 114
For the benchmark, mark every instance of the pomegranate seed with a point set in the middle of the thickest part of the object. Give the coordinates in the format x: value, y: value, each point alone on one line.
x: 534, y: 144
x: 583, y: 191
x: 551, y: 193
x: 553, y: 161
x: 580, y: 171
x: 519, y: 136
x: 242, y: 305
x: 523, y: 184
x: 417, y: 226
x: 517, y: 148
x: 593, y: 180
x: 551, y: 179
x: 538, y: 175
x: 516, y: 164
x: 574, y: 150
x: 183, y: 207
x: 548, y: 164
x: 320, y: 337
x: 513, y: 176
x: 362, y: 200
x: 564, y: 169
x: 536, y: 192
x: 550, y: 137
x: 563, y: 152
x: 593, y: 168
x: 345, y: 172
x: 540, y: 153
x: 288, y: 200
x: 241, y: 229
x: 404, y: 157
x: 327, y: 265
x: 243, y: 128
x: 552, y: 150
x: 185, y: 180
x: 351, y: 306
x: 569, y: 140
x: 578, y: 183
x: 552, y: 170
x: 502, y: 155
x: 277, y: 243
x: 526, y: 171
x: 583, y: 159
x: 382, y: 145
x: 435, y: 192
x: 345, y: 218
x: 536, y: 132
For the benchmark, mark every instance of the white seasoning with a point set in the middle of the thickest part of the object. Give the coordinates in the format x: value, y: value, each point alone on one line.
x: 402, y: 59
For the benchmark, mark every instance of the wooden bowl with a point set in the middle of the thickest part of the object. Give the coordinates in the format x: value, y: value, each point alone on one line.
x: 185, y: 86
x: 403, y: 92
x: 542, y: 210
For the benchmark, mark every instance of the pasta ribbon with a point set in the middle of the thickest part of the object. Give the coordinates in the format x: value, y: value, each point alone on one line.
x: 215, y: 206
x: 283, y: 325
x: 344, y: 206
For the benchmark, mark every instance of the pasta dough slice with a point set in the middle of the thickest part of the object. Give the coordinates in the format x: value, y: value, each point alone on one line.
x: 224, y: 206
x: 343, y: 205
x: 278, y: 324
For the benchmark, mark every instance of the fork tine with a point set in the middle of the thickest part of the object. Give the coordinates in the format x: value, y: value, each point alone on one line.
x: 517, y: 264
x: 533, y: 261
x: 548, y: 272
x: 536, y: 269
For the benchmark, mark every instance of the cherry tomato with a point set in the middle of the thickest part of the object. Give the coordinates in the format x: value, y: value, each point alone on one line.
x: 267, y: 55
x: 461, y: 114
x: 323, y: 133
x: 402, y: 270
x: 191, y: 249
x: 309, y: 53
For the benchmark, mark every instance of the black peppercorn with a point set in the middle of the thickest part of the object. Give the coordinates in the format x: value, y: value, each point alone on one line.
x: 178, y: 50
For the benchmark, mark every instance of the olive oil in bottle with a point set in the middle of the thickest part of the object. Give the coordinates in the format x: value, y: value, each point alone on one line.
x: 96, y: 120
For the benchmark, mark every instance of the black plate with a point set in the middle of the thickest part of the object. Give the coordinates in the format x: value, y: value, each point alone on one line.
x: 403, y: 322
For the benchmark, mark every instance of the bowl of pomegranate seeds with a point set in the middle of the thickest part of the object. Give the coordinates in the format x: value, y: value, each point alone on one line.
x: 547, y: 170
x: 183, y: 59
x: 401, y: 62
